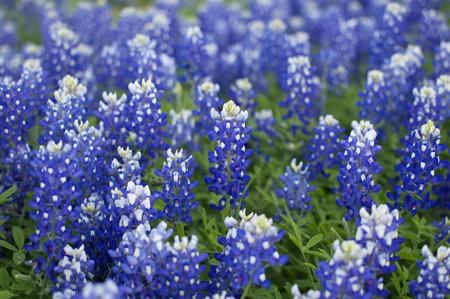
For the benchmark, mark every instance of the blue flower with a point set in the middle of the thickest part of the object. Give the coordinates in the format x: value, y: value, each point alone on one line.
x: 323, y: 147
x: 443, y: 227
x: 206, y: 98
x: 434, y: 275
x: 441, y: 65
x: 418, y: 168
x: 296, y: 189
x: 374, y: 99
x: 230, y: 158
x: 99, y: 290
x: 177, y: 187
x: 243, y: 94
x: 433, y: 29
x: 182, y: 129
x: 248, y: 248
x: 356, y: 175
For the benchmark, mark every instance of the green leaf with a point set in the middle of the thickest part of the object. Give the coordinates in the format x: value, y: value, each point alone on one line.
x: 23, y: 278
x: 6, y: 294
x: 396, y: 283
x: 4, y: 279
x: 316, y: 253
x: 6, y: 196
x: 18, y: 257
x: 19, y: 236
x: 7, y: 245
x: 277, y: 294
x: 313, y: 241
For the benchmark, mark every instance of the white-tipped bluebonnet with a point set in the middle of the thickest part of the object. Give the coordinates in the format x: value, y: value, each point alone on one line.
x: 426, y: 106
x: 248, y: 248
x: 159, y: 28
x: 230, y: 158
x: 99, y: 290
x: 177, y: 187
x: 374, y: 99
x: 143, y: 124
x: 302, y: 90
x: 147, y: 265
x: 434, y: 275
x: 73, y: 269
x: 358, y: 168
x: 243, y: 94
x: 311, y: 294
x: 442, y: 87
x: 389, y: 36
x: 266, y: 10
x: 11, y: 62
x: 298, y: 44
x: 418, y: 168
x: 273, y: 45
x: 127, y: 170
x: 433, y: 29
x: 377, y: 232
x: 182, y: 129
x: 8, y: 34
x: 54, y: 203
x: 265, y: 123
x: 348, y: 274
x: 323, y: 147
x: 111, y: 113
x: 64, y: 54
x: 206, y: 98
x: 69, y: 104
x: 296, y: 188
x: 441, y: 62
x: 34, y: 87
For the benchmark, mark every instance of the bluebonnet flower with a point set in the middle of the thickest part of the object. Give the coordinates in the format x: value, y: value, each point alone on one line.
x: 10, y: 62
x: 144, y: 121
x: 301, y: 90
x: 147, y: 265
x: 426, y: 106
x: 206, y: 98
x: 127, y: 170
x: 374, y: 99
x: 377, y: 232
x: 273, y: 44
x: 443, y: 97
x: 248, y: 248
x: 243, y: 94
x: 434, y: 275
x: 418, y: 167
x: 159, y: 28
x: 348, y: 275
x: 267, y: 10
x: 220, y: 295
x: 230, y: 158
x: 323, y: 147
x: 296, y: 189
x: 389, y: 36
x: 441, y: 62
x: 93, y: 23
x: 443, y: 227
x: 356, y: 175
x: 177, y: 187
x: 108, y: 65
x: 265, y: 122
x: 182, y: 129
x: 69, y: 104
x: 54, y: 203
x: 298, y: 44
x: 33, y: 86
x: 8, y: 34
x: 141, y: 60
x: 198, y: 54
x: 99, y: 290
x: 64, y: 54
x: 111, y: 113
x: 73, y: 269
x: 433, y: 29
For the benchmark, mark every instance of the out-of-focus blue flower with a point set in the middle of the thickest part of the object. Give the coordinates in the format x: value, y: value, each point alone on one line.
x: 230, y: 158
x: 243, y: 94
x: 302, y: 90
x: 418, y: 168
x: 433, y: 29
x: 177, y: 187
x: 443, y: 97
x: 356, y: 175
x: 248, y: 248
x: 296, y: 189
x: 443, y: 227
x: 434, y: 275
x: 441, y: 62
x: 206, y: 98
x: 182, y: 129
x: 99, y: 290
x: 323, y: 147
x: 374, y: 99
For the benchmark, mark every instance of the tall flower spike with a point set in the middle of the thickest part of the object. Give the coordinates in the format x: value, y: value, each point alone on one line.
x: 53, y: 203
x: 182, y: 129
x: 433, y: 29
x: 69, y: 104
x: 441, y: 64
x: 348, y: 274
x: 356, y: 175
x: 323, y: 147
x: 243, y: 93
x: 426, y: 107
x: 230, y: 158
x: 248, y: 248
x: 374, y: 99
x: 443, y: 97
x: 206, y: 98
x: 301, y: 89
x: 148, y: 266
x: 378, y: 232
x: 177, y: 187
x: 296, y: 189
x: 418, y: 168
x: 434, y: 275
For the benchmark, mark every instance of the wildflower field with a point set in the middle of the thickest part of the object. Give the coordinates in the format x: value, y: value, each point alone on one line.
x: 224, y: 149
